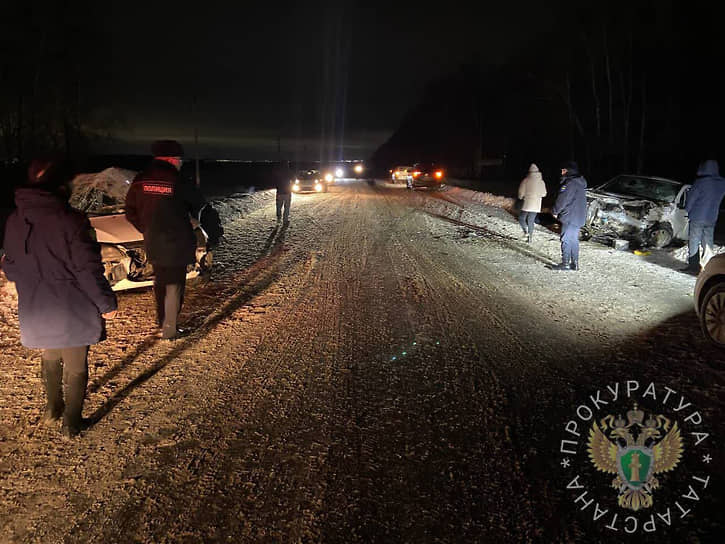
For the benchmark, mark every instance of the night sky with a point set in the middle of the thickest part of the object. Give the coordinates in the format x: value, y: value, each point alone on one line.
x: 310, y: 74
x: 332, y: 80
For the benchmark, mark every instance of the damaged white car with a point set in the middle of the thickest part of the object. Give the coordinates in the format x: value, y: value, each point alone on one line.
x: 647, y: 211
x: 102, y: 197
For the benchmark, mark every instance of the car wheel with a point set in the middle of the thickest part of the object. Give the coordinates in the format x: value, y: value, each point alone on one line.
x: 585, y: 234
x: 712, y: 315
x: 661, y: 235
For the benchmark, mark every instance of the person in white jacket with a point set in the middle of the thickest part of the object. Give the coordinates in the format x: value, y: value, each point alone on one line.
x: 531, y: 190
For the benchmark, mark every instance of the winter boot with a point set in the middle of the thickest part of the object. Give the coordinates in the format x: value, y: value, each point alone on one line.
x: 530, y: 238
x: 575, y: 265
x: 75, y: 392
x: 561, y: 267
x: 52, y: 372
x: 693, y: 265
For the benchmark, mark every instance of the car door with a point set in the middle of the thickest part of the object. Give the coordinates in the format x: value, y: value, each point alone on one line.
x: 678, y: 219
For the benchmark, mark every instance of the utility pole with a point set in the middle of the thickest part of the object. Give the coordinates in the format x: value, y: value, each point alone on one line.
x: 196, y: 142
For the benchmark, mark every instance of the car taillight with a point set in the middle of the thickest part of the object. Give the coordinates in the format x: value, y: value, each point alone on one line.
x: 439, y: 174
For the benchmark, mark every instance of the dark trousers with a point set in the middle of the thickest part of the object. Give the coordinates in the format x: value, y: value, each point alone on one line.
x: 67, y: 366
x: 569, y: 243
x: 701, y: 242
x: 169, y: 284
x: 283, y: 201
x: 527, y: 221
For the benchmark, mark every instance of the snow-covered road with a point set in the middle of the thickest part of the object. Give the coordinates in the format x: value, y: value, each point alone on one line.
x: 394, y: 366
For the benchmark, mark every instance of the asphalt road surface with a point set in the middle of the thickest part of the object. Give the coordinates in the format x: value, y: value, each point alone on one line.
x: 384, y: 369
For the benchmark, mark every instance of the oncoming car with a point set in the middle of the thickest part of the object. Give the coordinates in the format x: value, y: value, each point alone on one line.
x: 649, y: 211
x: 358, y: 171
x: 710, y: 300
x: 309, y: 181
x: 426, y: 175
x: 102, y: 197
x: 401, y: 173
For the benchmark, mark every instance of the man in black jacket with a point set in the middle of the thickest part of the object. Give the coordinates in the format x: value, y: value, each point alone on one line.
x: 570, y: 209
x: 160, y: 203
x: 284, y: 191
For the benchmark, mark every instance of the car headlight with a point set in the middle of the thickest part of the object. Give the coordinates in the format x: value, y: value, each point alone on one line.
x: 339, y: 172
x: 318, y: 187
x: 328, y: 177
x: 295, y: 187
x: 358, y: 168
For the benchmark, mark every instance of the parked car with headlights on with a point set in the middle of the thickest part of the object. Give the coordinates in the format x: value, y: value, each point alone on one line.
x: 309, y: 181
x: 358, y: 170
x: 648, y: 211
x: 401, y: 174
x: 710, y: 300
x: 426, y: 175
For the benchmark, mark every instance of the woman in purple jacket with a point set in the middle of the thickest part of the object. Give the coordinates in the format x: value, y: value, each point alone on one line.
x: 63, y: 295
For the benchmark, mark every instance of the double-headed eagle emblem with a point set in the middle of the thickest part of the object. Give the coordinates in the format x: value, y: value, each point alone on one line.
x: 635, y: 452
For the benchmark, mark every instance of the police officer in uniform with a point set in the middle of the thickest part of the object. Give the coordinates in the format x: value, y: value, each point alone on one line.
x: 160, y: 204
x: 570, y: 209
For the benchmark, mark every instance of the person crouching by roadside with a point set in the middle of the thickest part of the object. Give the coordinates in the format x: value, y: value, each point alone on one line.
x: 63, y: 296
x: 532, y: 189
x: 570, y: 209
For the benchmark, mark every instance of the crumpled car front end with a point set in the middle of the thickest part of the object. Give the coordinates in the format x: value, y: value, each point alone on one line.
x: 643, y: 222
x: 614, y: 214
x: 102, y: 196
x: 635, y: 220
x: 126, y: 265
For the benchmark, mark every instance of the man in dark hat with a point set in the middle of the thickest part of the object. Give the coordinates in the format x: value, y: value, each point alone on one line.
x: 160, y: 205
x: 571, y: 211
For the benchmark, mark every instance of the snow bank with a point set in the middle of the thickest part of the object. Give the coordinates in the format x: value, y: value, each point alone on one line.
x: 240, y: 204
x: 488, y: 199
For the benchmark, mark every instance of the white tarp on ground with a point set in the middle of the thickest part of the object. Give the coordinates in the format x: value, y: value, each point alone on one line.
x: 101, y: 192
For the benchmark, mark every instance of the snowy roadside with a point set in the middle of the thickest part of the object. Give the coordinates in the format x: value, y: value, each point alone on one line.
x: 479, y: 209
x: 674, y: 255
x: 615, y: 294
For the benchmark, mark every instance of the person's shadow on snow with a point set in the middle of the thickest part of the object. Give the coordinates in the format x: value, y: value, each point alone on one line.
x: 273, y: 247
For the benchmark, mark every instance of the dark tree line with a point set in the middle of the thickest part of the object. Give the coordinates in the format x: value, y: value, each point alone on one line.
x: 45, y: 50
x: 618, y: 86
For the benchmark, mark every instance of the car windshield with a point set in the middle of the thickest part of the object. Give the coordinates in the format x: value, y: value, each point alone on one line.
x: 101, y: 193
x: 308, y: 174
x: 641, y: 187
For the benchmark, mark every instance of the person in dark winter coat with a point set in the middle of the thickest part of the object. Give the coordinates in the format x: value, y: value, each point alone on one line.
x: 63, y: 295
x: 703, y: 206
x: 160, y: 204
x: 570, y: 209
x: 283, y: 184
